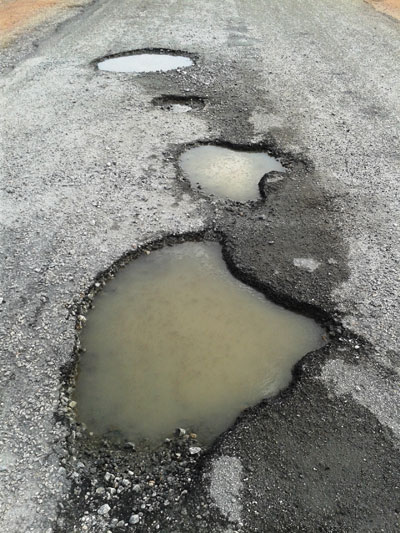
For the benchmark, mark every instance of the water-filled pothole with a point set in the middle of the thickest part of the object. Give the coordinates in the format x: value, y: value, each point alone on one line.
x: 179, y: 104
x: 176, y: 341
x: 144, y: 62
x: 228, y: 173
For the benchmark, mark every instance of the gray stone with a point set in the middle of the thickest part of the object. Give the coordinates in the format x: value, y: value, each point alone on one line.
x: 134, y: 519
x: 104, y: 509
x: 194, y: 450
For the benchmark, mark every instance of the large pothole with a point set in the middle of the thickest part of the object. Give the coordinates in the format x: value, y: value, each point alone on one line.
x: 176, y: 341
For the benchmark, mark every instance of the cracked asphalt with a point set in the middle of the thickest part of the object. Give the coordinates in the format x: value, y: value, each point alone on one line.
x: 89, y: 173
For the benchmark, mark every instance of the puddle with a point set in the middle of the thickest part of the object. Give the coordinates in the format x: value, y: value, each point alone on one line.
x: 180, y: 108
x: 146, y: 62
x: 176, y: 341
x: 228, y: 173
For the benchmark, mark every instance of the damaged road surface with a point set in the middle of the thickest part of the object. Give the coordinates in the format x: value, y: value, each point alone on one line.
x: 91, y: 180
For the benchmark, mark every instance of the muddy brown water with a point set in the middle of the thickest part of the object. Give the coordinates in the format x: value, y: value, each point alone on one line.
x: 176, y: 341
x: 227, y: 173
x: 144, y: 63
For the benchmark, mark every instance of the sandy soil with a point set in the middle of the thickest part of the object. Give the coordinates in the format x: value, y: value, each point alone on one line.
x: 19, y: 15
x: 390, y: 7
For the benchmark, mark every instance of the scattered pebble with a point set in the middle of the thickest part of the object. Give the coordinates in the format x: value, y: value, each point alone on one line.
x: 134, y: 519
x: 194, y: 450
x: 104, y: 509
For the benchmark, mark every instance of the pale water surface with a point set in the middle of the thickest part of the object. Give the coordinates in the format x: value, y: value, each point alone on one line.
x: 144, y: 63
x: 227, y: 173
x: 176, y: 341
x: 181, y: 108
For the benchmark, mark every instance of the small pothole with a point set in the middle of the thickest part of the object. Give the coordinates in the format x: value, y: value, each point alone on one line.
x: 154, y: 61
x: 179, y: 104
x: 176, y: 341
x: 226, y: 172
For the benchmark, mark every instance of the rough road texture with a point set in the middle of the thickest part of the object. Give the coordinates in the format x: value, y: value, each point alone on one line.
x: 89, y: 172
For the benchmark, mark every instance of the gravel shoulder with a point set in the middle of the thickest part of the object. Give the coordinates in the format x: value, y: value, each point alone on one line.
x: 89, y: 175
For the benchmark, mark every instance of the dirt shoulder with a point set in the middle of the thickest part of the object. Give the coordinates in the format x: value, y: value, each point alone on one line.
x: 389, y: 7
x: 17, y: 16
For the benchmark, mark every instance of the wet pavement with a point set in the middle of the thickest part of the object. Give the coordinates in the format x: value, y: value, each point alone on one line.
x: 91, y: 178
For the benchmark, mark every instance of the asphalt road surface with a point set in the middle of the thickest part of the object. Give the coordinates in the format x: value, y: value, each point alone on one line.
x: 88, y: 173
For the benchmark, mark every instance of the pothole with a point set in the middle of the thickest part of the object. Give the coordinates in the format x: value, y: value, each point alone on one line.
x: 179, y: 104
x: 176, y: 341
x: 154, y: 61
x: 227, y: 172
